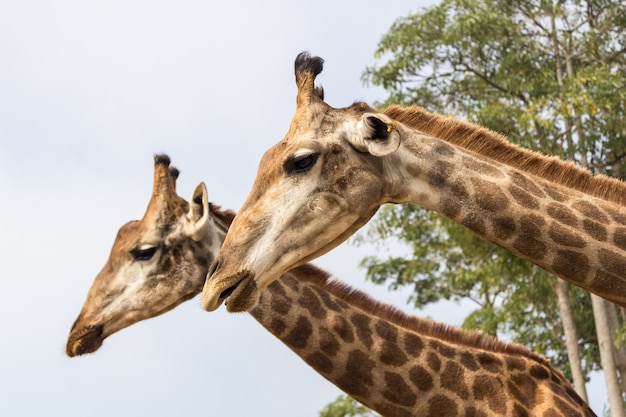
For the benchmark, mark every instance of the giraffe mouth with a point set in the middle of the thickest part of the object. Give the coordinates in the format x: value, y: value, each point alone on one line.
x: 228, y: 291
x: 86, y: 339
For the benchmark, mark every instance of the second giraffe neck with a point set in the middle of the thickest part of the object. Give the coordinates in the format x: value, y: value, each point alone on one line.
x: 556, y: 215
x: 400, y: 365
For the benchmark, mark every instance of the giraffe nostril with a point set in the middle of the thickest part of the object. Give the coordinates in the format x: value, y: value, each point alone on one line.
x: 215, y: 266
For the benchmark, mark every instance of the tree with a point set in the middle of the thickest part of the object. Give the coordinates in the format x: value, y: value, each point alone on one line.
x: 551, y: 75
x: 345, y: 406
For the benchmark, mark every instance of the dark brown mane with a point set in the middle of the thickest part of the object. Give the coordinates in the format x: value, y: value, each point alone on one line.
x: 226, y: 216
x: 425, y: 327
x: 495, y: 146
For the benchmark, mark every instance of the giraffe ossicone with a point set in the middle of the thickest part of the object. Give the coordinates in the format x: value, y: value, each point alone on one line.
x: 337, y: 166
x: 397, y: 365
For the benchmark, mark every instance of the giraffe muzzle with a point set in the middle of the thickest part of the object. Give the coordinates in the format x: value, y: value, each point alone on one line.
x: 216, y: 291
x: 84, y: 340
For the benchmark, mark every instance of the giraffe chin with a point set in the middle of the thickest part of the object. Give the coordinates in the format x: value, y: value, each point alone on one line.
x: 86, y: 339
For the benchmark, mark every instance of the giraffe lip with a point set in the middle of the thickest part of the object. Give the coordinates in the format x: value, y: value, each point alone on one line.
x: 228, y: 291
x: 86, y: 339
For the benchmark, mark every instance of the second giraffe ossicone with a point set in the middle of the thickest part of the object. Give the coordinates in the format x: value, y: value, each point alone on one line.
x: 337, y: 166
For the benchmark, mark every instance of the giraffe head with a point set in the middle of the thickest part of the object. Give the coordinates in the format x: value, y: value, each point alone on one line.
x: 155, y: 264
x: 313, y: 190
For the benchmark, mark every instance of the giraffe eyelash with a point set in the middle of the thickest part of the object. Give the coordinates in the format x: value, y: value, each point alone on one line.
x: 144, y: 254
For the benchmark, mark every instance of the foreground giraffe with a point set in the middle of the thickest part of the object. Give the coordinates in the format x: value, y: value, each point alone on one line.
x: 335, y: 167
x: 396, y: 364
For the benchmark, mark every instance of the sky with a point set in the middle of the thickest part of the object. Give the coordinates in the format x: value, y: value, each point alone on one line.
x: 89, y: 92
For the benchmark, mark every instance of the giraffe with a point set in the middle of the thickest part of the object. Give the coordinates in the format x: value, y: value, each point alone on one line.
x: 396, y: 364
x: 337, y: 166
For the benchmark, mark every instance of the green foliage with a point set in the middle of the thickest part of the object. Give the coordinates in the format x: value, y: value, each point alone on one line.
x: 345, y: 406
x: 549, y: 75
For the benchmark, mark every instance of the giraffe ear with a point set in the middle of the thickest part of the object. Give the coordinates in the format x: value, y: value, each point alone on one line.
x: 198, y: 216
x: 376, y: 134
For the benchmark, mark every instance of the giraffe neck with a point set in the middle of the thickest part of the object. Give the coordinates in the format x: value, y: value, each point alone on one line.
x: 556, y: 215
x: 400, y: 365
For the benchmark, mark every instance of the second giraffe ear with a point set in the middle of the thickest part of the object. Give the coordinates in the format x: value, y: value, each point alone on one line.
x: 376, y: 134
x: 198, y: 215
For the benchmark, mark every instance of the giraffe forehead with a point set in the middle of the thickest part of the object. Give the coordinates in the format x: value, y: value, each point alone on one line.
x: 127, y: 235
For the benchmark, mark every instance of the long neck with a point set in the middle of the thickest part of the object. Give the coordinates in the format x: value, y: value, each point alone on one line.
x: 400, y: 365
x: 552, y: 213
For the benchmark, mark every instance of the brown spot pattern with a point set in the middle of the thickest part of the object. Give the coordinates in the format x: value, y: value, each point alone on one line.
x: 299, y: 335
x: 527, y: 184
x: 438, y: 175
x: 488, y: 196
x: 619, y: 237
x: 520, y: 411
x: 309, y: 300
x: 562, y: 214
x: 441, y: 406
x: 387, y: 331
x: 596, y: 230
x: 398, y: 391
x: 612, y: 262
x: 564, y: 236
x: 571, y: 264
x: 358, y: 376
x: 443, y: 149
x: 443, y: 349
x: 523, y: 198
x: 450, y: 207
x: 514, y: 364
x: 554, y: 194
x: 504, y: 227
x: 473, y: 412
x: 421, y: 378
x: 489, y: 362
x: 320, y: 362
x: 565, y: 407
x: 483, y: 168
x: 277, y: 326
x: 452, y: 379
x: 468, y: 361
x: 328, y: 343
x: 491, y: 390
x: 342, y: 328
x: 523, y: 388
x: 363, y: 331
x: 433, y: 361
x: 413, y: 345
x: 280, y: 305
x: 527, y: 243
x: 450, y: 204
x: 616, y: 215
x: 391, y: 354
x: 474, y: 223
x: 328, y: 302
x: 539, y: 372
x: 590, y: 210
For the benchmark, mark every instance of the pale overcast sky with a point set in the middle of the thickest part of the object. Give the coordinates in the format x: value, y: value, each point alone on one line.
x: 89, y: 91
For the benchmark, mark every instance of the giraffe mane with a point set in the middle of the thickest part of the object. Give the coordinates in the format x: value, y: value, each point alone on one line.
x: 493, y: 145
x: 226, y: 216
x: 426, y: 327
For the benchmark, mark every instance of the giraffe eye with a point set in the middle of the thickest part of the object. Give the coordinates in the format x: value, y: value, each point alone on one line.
x: 299, y: 164
x: 143, y: 254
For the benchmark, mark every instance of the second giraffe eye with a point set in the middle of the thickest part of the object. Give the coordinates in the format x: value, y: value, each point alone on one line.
x: 299, y: 164
x: 143, y: 254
